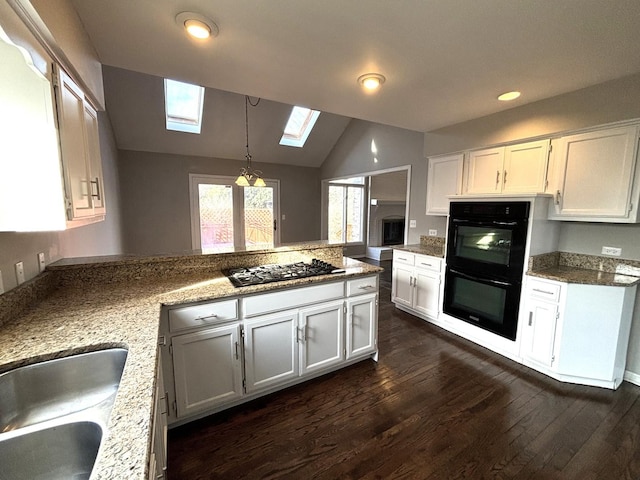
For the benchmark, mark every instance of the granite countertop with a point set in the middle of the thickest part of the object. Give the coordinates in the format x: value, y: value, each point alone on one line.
x: 92, y: 316
x: 567, y: 274
x: 585, y: 269
x: 421, y: 249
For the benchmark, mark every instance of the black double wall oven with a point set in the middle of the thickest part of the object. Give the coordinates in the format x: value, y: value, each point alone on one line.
x: 485, y: 259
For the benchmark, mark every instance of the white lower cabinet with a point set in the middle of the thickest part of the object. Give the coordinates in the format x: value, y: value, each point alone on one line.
x: 229, y: 351
x: 416, y: 283
x: 577, y: 333
x: 158, y: 457
x: 321, y: 337
x: 207, y: 368
x: 270, y: 350
x: 362, y: 325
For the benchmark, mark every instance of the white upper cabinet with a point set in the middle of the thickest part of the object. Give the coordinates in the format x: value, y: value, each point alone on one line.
x: 31, y: 193
x: 80, y: 150
x: 51, y: 173
x: 518, y: 168
x: 525, y: 167
x: 484, y: 170
x: 594, y: 176
x: 444, y: 178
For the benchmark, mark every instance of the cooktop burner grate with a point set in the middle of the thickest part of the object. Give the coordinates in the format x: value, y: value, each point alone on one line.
x: 242, y: 277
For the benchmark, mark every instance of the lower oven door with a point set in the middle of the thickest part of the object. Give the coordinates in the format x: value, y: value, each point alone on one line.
x: 487, y: 303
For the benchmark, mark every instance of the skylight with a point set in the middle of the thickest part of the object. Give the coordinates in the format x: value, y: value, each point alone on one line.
x: 183, y: 106
x: 299, y: 126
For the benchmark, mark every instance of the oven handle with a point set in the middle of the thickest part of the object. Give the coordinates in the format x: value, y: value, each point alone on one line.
x: 482, y: 223
x: 481, y: 280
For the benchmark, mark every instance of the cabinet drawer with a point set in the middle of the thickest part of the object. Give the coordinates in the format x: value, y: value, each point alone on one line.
x: 549, y: 292
x: 285, y: 299
x: 360, y: 286
x: 428, y: 263
x: 406, y: 258
x: 201, y: 315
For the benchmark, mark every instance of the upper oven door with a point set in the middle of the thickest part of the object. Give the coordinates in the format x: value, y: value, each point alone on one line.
x: 491, y: 246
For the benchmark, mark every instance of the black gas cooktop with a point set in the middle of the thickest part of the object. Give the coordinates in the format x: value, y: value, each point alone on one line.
x: 242, y: 277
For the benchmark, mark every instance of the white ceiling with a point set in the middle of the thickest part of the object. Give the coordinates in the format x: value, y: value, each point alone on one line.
x: 445, y: 60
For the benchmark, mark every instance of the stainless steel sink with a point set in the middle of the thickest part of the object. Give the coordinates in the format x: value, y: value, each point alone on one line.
x: 53, y: 415
x: 66, y: 451
x: 52, y: 389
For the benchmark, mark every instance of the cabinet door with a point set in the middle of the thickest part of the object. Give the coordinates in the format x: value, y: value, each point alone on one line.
x: 270, y: 350
x: 485, y: 171
x: 71, y: 117
x: 96, y: 185
x: 402, y: 285
x: 362, y: 325
x: 538, y: 337
x: 427, y: 292
x: 444, y: 178
x: 159, y: 440
x: 321, y: 336
x: 525, y: 167
x: 207, y: 368
x: 596, y: 174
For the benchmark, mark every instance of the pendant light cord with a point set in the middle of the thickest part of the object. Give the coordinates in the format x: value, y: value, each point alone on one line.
x: 247, y: 102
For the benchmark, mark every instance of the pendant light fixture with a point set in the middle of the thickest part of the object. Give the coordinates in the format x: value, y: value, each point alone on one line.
x: 248, y: 174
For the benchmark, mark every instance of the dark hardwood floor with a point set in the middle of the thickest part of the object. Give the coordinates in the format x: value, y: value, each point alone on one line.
x: 434, y: 407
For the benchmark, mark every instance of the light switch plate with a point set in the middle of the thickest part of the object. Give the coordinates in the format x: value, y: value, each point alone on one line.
x: 41, y: 264
x: 19, y: 273
x: 412, y: 224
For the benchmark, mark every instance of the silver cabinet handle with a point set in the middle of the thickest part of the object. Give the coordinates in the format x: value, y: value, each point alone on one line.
x: 530, y: 318
x: 204, y: 317
x: 365, y: 287
x: 426, y: 264
x: 504, y: 177
x: 497, y: 177
x: 401, y: 258
x: 546, y: 292
x: 557, y: 199
x: 237, y: 357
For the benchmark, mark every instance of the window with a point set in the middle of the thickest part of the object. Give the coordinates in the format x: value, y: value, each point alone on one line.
x: 226, y: 216
x: 183, y: 106
x: 346, y: 210
x: 299, y: 126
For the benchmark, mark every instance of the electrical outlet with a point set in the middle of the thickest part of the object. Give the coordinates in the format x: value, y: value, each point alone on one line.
x: 613, y: 251
x: 41, y: 264
x: 433, y: 232
x: 20, y: 273
x: 1, y: 284
x: 412, y: 224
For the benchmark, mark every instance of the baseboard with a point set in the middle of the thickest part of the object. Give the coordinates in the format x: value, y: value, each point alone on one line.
x: 632, y: 377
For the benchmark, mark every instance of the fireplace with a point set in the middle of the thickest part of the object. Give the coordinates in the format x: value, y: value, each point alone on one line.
x: 393, y: 231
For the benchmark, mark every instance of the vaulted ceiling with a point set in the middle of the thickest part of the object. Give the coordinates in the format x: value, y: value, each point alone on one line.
x: 445, y: 61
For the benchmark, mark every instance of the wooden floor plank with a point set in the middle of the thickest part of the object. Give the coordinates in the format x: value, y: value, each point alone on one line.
x: 435, y: 406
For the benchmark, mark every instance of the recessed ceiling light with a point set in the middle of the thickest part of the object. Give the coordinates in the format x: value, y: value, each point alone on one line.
x: 196, y: 25
x: 505, y: 97
x: 371, y: 81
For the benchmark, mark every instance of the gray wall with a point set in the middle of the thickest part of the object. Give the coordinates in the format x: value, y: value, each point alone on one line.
x: 155, y: 199
x: 102, y: 238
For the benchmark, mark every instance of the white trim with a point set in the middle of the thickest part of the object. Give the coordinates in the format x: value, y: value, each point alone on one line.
x: 632, y: 377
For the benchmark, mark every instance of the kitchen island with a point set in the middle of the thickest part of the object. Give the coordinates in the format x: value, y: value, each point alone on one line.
x: 83, y: 305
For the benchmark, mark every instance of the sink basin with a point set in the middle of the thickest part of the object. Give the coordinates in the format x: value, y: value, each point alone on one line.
x: 56, y: 388
x: 66, y: 451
